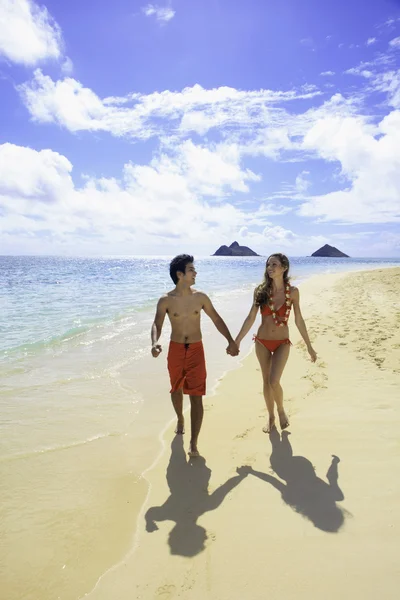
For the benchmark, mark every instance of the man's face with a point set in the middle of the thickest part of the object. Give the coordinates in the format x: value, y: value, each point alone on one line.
x: 190, y: 274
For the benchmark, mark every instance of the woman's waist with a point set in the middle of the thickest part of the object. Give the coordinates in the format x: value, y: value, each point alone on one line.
x: 266, y: 332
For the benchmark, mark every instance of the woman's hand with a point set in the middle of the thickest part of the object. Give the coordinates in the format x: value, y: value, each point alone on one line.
x: 312, y: 353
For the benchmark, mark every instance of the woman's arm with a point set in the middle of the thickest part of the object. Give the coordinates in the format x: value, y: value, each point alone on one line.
x: 248, y: 322
x: 300, y: 324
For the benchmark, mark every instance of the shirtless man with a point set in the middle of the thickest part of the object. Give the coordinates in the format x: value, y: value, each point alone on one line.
x: 186, y: 363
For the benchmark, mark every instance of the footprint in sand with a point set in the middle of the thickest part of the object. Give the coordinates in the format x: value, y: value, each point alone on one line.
x: 165, y: 592
x: 250, y: 459
x: 318, y: 380
x: 244, y: 434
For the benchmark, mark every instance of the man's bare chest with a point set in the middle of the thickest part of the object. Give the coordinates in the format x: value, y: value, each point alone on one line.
x: 184, y: 308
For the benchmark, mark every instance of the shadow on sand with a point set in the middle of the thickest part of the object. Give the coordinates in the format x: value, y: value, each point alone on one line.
x: 189, y: 499
x: 306, y: 493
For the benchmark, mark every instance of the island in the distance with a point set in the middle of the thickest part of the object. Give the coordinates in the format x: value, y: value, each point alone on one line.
x: 329, y: 251
x: 235, y: 250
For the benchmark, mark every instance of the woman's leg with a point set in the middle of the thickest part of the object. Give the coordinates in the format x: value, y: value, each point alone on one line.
x: 278, y: 363
x: 264, y: 358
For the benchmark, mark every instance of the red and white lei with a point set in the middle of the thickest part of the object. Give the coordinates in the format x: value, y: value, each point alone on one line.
x: 288, y: 303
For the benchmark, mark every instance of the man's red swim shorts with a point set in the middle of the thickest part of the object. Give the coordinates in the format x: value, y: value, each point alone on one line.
x: 187, y: 368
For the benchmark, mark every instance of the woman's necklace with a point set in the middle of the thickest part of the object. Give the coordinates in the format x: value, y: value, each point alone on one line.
x: 288, y: 306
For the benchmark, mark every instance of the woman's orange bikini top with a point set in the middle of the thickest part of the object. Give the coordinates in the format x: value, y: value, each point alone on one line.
x: 266, y: 311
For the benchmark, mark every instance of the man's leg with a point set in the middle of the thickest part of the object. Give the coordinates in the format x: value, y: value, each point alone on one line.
x: 177, y: 401
x: 196, y: 419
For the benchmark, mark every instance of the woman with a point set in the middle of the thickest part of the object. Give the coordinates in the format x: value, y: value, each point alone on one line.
x: 275, y: 297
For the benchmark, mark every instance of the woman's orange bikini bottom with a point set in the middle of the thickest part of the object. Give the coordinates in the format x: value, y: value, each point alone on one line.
x: 272, y: 345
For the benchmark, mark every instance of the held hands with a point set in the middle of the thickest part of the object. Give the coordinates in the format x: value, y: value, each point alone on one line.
x: 244, y: 470
x: 312, y: 353
x: 156, y: 350
x: 232, y: 349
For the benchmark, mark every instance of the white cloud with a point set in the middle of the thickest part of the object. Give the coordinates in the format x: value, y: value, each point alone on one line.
x: 68, y: 103
x: 370, y: 160
x: 65, y: 102
x: 278, y: 235
x: 67, y: 67
x: 395, y: 43
x: 302, y: 182
x: 162, y: 14
x: 328, y: 73
x: 389, y: 83
x: 28, y: 174
x: 360, y: 72
x: 275, y: 238
x: 308, y: 42
x: 371, y: 40
x: 168, y: 199
x: 28, y: 33
x: 271, y: 235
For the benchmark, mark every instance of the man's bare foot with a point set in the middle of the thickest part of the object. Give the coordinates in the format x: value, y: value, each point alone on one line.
x: 193, y: 451
x: 283, y: 420
x: 271, y: 425
x: 180, y: 425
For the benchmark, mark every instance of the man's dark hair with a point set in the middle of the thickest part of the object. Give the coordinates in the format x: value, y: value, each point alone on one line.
x: 179, y: 264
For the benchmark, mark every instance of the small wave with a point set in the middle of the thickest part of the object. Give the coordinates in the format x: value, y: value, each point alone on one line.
x: 32, y: 347
x: 49, y: 449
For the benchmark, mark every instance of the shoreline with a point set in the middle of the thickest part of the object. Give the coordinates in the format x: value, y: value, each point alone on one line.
x: 313, y: 385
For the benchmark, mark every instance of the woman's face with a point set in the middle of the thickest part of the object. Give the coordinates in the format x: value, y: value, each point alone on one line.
x: 274, y: 267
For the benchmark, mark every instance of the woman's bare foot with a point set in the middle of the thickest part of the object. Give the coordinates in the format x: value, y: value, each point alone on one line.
x: 283, y: 420
x: 193, y: 451
x: 271, y: 425
x: 180, y: 425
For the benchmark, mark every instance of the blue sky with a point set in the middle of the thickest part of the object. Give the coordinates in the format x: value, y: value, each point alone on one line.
x: 157, y: 128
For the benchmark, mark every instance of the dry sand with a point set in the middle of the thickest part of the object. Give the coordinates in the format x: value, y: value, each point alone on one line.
x: 295, y: 522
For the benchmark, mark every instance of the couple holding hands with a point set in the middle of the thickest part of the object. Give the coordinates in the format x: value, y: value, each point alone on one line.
x: 273, y: 298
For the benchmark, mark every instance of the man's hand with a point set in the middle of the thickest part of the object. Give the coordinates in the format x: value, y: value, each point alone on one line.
x: 156, y: 350
x: 232, y: 349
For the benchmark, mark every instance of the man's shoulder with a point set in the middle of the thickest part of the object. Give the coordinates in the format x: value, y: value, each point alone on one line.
x: 199, y: 294
x: 165, y: 297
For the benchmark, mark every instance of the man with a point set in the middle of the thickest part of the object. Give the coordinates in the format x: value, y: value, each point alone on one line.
x: 186, y: 362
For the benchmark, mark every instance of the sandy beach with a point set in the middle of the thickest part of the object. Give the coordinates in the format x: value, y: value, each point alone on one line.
x: 308, y: 514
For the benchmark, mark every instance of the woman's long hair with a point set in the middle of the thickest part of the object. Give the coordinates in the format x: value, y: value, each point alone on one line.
x: 264, y: 290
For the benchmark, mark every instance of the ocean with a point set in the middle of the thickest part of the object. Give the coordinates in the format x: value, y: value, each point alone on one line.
x: 83, y: 402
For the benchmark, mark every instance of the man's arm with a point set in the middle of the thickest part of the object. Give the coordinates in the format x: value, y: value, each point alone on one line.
x: 220, y: 324
x: 156, y: 328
